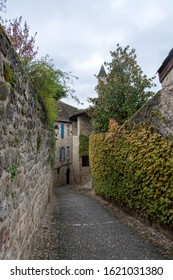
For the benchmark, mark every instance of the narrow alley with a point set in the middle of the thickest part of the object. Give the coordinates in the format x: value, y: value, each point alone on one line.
x: 82, y: 226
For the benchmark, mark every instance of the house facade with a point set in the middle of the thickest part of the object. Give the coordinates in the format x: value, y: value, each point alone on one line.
x: 71, y: 168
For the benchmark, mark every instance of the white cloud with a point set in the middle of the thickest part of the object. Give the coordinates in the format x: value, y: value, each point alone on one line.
x: 88, y: 64
x: 148, y: 16
x: 118, y: 5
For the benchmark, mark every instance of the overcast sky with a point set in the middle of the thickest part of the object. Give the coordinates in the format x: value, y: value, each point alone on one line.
x: 79, y: 34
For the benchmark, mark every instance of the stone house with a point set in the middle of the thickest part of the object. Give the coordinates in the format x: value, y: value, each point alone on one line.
x: 166, y: 70
x: 81, y: 130
x: 71, y: 168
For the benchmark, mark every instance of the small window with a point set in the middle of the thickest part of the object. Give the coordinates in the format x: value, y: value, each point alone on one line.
x: 61, y: 154
x: 68, y: 152
x: 85, y: 161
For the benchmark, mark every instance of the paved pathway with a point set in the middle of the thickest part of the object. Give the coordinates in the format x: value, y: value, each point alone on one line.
x: 84, y: 228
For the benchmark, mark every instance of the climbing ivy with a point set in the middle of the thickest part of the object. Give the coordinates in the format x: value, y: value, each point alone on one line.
x: 83, y: 145
x: 134, y: 167
x: 13, y: 171
x: 9, y: 75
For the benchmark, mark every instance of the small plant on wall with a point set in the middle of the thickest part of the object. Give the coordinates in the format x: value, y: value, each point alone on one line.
x: 13, y: 171
x: 39, y: 141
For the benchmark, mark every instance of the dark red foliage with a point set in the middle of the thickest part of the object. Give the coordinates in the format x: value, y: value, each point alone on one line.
x: 20, y: 39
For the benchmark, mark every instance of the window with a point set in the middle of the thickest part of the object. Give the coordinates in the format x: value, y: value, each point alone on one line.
x: 68, y: 152
x: 62, y: 130
x: 62, y: 154
x: 85, y: 161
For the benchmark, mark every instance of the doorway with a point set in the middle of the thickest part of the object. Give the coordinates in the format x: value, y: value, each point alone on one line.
x: 68, y: 176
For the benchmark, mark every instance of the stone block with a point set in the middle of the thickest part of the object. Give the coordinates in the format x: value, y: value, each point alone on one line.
x: 23, y: 199
x: 3, y: 91
x: 3, y: 209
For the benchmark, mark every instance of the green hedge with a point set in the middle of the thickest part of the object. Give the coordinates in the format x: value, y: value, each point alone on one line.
x: 135, y: 168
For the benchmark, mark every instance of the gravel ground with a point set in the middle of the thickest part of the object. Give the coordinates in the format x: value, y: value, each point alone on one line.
x: 80, y: 225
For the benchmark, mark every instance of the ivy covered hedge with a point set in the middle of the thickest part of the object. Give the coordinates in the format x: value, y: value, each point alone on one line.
x: 134, y: 167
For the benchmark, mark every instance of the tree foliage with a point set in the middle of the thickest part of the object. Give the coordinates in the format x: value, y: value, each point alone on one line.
x: 123, y: 92
x: 50, y: 84
x: 2, y: 8
x: 23, y: 43
x: 2, y: 5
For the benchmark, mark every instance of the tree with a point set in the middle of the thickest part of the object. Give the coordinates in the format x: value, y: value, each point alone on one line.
x: 50, y: 84
x: 2, y: 8
x: 20, y: 38
x: 123, y: 91
x: 2, y: 5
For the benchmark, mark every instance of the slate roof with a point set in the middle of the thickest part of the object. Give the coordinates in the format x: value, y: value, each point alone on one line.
x: 65, y: 111
x: 102, y: 72
x: 78, y: 113
x: 166, y: 66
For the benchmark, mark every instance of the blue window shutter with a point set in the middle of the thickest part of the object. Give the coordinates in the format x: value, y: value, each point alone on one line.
x: 60, y: 154
x: 62, y: 130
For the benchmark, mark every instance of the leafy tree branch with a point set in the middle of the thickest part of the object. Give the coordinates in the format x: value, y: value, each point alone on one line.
x: 122, y: 92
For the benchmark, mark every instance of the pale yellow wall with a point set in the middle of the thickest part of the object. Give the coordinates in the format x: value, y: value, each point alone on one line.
x: 81, y: 175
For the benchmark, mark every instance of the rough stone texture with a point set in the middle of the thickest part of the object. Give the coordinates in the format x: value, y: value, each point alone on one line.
x: 25, y: 172
x: 168, y: 79
x: 158, y: 112
x: 100, y: 231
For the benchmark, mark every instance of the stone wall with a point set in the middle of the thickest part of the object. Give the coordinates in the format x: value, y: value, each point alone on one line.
x: 168, y: 79
x: 158, y: 112
x: 85, y: 126
x: 85, y: 175
x: 25, y: 172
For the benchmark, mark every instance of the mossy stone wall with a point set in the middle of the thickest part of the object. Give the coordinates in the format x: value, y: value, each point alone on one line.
x: 25, y: 171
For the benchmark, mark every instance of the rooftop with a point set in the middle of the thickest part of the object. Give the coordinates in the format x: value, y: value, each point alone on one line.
x: 65, y: 111
x: 102, y: 71
x: 166, y: 66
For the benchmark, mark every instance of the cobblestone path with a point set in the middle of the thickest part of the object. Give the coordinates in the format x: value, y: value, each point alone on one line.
x: 81, y: 226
